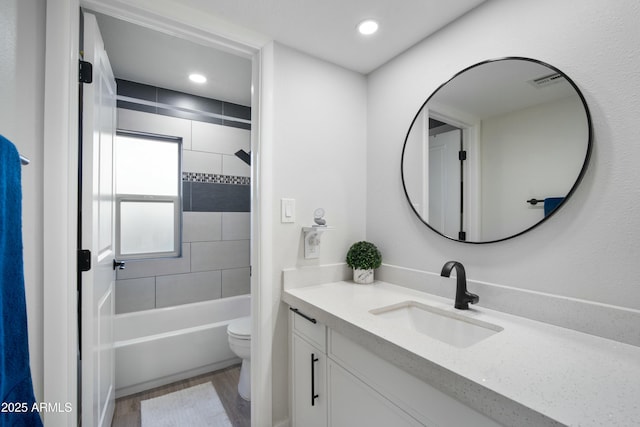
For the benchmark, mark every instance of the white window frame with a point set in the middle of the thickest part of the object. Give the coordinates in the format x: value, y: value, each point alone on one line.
x: 176, y: 200
x: 177, y: 215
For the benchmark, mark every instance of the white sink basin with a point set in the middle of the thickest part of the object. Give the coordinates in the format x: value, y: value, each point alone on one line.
x: 445, y: 326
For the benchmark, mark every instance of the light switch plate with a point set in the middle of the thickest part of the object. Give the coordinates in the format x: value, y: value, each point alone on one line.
x: 287, y: 210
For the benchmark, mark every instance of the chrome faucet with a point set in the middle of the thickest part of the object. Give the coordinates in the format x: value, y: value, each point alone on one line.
x: 463, y: 297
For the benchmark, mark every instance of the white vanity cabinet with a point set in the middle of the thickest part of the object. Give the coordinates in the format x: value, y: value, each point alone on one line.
x: 324, y: 393
x: 308, y: 372
x: 393, y: 392
x: 352, y: 402
x: 338, y: 383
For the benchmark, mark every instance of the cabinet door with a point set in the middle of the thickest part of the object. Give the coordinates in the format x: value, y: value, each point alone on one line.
x: 352, y: 402
x: 309, y: 398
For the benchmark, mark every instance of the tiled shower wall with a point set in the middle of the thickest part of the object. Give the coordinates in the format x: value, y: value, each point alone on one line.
x: 216, y: 213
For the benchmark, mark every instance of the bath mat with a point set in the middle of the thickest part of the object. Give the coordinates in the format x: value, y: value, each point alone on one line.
x: 197, y: 406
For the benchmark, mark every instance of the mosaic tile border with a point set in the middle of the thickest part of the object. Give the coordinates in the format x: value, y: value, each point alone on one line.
x: 213, y: 178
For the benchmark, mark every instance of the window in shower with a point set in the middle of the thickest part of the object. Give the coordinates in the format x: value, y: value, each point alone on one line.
x: 148, y: 196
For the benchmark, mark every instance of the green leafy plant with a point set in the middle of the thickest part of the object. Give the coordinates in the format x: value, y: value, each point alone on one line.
x: 364, y: 256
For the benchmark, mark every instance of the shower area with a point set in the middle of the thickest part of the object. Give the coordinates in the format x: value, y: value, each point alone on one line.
x: 172, y: 313
x: 172, y: 308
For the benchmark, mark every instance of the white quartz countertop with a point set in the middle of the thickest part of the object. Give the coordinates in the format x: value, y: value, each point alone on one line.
x: 565, y: 376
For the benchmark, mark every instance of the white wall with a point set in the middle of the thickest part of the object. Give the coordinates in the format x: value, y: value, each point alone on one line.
x: 416, y: 165
x: 589, y: 249
x: 318, y: 158
x: 22, y: 31
x: 543, y: 161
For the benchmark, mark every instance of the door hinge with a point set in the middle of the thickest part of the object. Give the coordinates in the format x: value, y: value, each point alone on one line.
x: 84, y: 260
x: 462, y: 155
x: 86, y: 72
x: 462, y: 236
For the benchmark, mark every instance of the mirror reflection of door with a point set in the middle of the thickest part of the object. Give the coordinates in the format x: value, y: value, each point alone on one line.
x: 445, y: 177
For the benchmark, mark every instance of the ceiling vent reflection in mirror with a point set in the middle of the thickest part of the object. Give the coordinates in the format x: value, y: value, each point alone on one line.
x: 547, y: 80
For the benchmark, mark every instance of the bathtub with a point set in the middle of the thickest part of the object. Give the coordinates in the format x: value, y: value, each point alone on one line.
x: 160, y: 346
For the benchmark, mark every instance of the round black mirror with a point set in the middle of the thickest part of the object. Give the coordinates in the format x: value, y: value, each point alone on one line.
x: 496, y: 150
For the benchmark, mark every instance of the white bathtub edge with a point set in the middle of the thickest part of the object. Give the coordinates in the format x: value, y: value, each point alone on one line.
x: 134, y: 341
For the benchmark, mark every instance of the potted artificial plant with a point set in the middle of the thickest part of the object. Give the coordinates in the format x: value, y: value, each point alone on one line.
x: 363, y: 257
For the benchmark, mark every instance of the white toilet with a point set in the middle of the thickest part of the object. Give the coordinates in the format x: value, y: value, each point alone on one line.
x: 239, y: 331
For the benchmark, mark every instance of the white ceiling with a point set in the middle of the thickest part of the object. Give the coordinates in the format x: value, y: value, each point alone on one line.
x: 145, y: 56
x: 325, y: 29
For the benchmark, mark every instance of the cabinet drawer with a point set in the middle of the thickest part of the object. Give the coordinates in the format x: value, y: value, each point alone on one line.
x: 352, y: 402
x: 422, y: 401
x: 315, y: 333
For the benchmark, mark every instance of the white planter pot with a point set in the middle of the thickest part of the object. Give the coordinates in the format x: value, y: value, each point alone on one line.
x: 363, y: 276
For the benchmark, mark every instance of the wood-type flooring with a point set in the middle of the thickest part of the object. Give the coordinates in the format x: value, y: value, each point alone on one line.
x: 225, y: 381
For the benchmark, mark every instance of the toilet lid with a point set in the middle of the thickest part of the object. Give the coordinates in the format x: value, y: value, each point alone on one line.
x: 240, y: 327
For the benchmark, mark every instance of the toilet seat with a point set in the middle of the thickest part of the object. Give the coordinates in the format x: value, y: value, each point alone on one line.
x: 240, y: 328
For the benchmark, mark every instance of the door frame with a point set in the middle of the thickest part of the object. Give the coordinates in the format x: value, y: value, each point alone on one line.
x: 61, y: 189
x: 470, y: 127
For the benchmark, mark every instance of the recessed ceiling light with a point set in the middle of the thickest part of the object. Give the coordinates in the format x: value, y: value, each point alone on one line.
x: 197, y: 78
x: 368, y: 27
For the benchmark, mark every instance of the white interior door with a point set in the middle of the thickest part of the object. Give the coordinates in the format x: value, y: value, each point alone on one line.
x: 97, y: 302
x: 444, y: 182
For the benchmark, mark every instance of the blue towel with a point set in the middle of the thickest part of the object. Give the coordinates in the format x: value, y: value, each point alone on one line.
x: 15, y: 374
x: 550, y: 203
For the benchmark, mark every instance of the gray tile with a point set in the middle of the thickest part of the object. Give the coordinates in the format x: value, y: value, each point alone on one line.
x: 219, y: 139
x: 207, y: 197
x: 201, y: 226
x: 234, y: 124
x: 236, y: 282
x: 186, y: 115
x: 158, y: 266
x: 236, y: 110
x: 201, y: 162
x: 213, y: 120
x: 219, y: 255
x: 138, y: 121
x: 136, y: 90
x: 193, y: 102
x: 232, y: 165
x: 236, y: 225
x: 186, y: 196
x: 187, y: 288
x: 135, y: 295
x: 125, y: 105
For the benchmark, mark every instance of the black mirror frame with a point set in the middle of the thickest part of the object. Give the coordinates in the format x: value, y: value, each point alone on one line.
x: 575, y: 185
